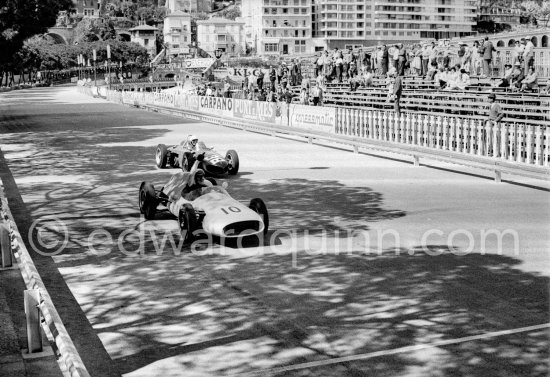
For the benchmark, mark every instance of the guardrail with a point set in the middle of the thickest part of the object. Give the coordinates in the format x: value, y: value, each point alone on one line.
x: 52, y: 323
x: 501, y: 148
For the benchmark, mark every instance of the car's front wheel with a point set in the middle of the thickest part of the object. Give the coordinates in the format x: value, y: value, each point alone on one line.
x: 187, y: 221
x: 258, y: 206
x: 161, y: 156
x: 233, y: 162
x: 148, y: 201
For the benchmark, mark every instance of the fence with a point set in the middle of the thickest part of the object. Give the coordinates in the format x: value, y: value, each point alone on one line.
x: 502, y: 147
x: 52, y: 323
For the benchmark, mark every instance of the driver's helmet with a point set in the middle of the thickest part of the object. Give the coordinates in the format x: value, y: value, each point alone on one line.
x: 199, y: 174
x: 193, y: 140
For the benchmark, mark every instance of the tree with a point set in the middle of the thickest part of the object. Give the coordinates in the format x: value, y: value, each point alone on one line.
x: 537, y: 11
x: 231, y: 13
x: 94, y: 29
x: 21, y: 19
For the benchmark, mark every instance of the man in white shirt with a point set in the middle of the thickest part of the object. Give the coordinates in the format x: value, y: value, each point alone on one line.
x: 528, y: 54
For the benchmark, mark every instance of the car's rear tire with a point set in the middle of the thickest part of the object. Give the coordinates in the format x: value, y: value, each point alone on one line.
x: 233, y: 159
x: 187, y: 221
x: 161, y: 156
x: 148, y: 201
x: 258, y: 206
x: 187, y: 161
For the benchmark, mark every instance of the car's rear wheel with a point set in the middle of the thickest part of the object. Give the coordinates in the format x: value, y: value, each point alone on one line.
x: 187, y: 221
x: 160, y: 157
x: 187, y: 161
x: 258, y: 206
x: 233, y: 162
x: 148, y: 201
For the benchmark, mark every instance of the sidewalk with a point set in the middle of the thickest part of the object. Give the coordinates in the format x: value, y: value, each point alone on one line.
x: 13, y: 333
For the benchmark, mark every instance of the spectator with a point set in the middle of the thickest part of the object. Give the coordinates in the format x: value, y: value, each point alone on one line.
x: 433, y: 53
x: 271, y: 97
x: 227, y: 88
x: 401, y: 59
x: 425, y: 59
x: 507, y: 76
x: 292, y: 73
x: 339, y: 63
x: 305, y: 83
x: 517, y: 77
x: 396, y: 95
x: 316, y: 95
x: 260, y: 79
x: 528, y: 54
x: 488, y: 49
x: 304, y: 98
x: 432, y: 72
x: 385, y: 60
x: 272, y: 77
x: 367, y: 77
x: 262, y: 96
x: 517, y: 53
x: 460, y: 82
x: 441, y: 78
x: 252, y: 81
x: 416, y: 65
x: 530, y: 81
x: 284, y: 79
x: 288, y: 95
x: 495, y: 116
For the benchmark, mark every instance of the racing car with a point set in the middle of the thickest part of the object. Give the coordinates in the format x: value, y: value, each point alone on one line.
x: 214, y: 163
x: 215, y: 211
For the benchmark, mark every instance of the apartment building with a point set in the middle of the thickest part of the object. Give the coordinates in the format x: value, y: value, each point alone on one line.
x: 348, y: 23
x: 275, y: 27
x: 304, y: 26
x: 177, y: 33
x: 502, y: 13
x: 221, y: 34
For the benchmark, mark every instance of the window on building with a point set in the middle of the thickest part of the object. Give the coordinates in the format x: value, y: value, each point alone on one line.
x: 146, y: 42
x: 271, y: 47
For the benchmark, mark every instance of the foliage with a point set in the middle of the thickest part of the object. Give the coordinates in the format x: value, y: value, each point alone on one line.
x: 151, y: 15
x: 230, y: 14
x: 41, y: 53
x: 21, y: 19
x: 537, y: 11
x: 94, y: 29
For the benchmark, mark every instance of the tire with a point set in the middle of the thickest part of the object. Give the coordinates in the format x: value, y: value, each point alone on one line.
x: 233, y: 159
x: 258, y: 206
x: 160, y: 156
x: 187, y: 161
x: 148, y: 201
x: 187, y: 221
x: 212, y: 180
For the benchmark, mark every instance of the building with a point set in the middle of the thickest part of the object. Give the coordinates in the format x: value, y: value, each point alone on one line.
x: 275, y: 27
x: 296, y: 26
x: 349, y: 23
x: 145, y: 36
x: 177, y: 33
x: 221, y: 34
x: 188, y: 6
x: 87, y: 8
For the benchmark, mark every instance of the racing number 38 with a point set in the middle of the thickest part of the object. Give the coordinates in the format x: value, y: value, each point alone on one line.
x: 230, y: 209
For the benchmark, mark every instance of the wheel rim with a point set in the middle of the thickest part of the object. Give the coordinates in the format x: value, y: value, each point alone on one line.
x: 182, y: 222
x: 141, y: 200
x: 185, y: 164
x: 158, y: 156
x: 229, y: 161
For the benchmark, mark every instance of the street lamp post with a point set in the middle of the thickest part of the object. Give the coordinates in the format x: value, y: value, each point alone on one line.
x: 95, y: 70
x: 109, y: 64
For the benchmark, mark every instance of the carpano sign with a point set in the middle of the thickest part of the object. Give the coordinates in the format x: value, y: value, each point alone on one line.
x: 216, y: 105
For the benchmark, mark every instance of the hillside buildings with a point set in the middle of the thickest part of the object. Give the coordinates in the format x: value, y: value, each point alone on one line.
x: 221, y: 34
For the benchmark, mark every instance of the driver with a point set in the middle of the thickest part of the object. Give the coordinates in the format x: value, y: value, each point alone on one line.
x: 196, y: 183
x: 192, y: 143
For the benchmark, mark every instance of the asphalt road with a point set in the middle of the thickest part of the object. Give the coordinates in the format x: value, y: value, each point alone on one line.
x: 371, y: 267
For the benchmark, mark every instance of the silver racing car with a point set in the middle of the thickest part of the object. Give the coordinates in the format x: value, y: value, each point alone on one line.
x: 215, y: 211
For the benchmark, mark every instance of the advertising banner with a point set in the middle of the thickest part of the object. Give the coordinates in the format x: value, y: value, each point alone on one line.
x: 242, y: 72
x: 314, y: 118
x: 187, y: 102
x: 254, y: 110
x: 216, y: 106
x: 163, y: 99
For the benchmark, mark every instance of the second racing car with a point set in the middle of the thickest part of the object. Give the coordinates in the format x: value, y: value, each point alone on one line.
x: 182, y: 156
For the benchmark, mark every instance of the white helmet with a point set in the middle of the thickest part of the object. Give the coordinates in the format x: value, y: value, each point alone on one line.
x: 192, y: 138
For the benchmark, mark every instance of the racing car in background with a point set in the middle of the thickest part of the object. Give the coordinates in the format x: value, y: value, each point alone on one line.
x: 214, y: 163
x: 215, y: 211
